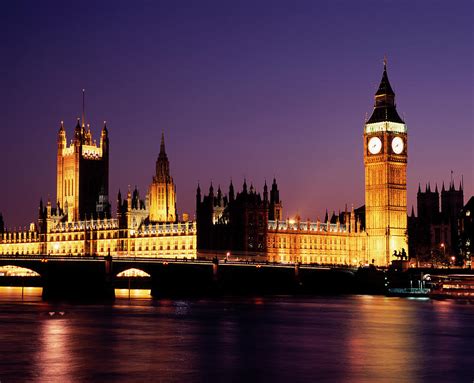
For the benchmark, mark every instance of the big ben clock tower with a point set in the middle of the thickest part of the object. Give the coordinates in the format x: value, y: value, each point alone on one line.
x: 385, y: 160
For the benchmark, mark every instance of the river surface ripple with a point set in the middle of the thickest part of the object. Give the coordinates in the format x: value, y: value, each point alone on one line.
x: 266, y: 339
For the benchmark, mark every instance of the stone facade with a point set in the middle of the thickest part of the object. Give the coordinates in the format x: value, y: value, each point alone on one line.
x: 81, y: 224
x: 241, y: 226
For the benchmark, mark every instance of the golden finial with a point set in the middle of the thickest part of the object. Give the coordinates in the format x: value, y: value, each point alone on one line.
x: 384, y: 62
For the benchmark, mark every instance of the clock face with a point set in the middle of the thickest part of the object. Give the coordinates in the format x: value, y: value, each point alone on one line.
x: 397, y: 145
x: 375, y: 145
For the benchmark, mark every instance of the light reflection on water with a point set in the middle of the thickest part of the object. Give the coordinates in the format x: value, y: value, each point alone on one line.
x: 279, y: 339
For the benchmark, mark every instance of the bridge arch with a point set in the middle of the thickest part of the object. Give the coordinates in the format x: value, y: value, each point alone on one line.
x: 133, y: 272
x: 37, y: 264
x: 17, y: 271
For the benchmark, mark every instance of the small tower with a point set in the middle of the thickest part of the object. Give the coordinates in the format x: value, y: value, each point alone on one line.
x: 352, y: 220
x: 231, y: 192
x: 162, y: 192
x: 276, y: 208
x: 198, y: 196
x: 265, y: 192
x: 82, y: 170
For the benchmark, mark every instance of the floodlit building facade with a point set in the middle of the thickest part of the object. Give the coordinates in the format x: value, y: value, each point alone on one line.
x: 81, y: 222
x: 371, y: 234
x: 247, y: 223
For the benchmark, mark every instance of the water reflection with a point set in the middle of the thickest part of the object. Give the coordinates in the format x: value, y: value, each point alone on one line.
x: 277, y: 339
x: 53, y: 358
x: 382, y: 340
x: 132, y: 294
x: 18, y: 293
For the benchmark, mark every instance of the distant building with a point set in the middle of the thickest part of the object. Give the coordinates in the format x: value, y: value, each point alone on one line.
x: 466, y: 231
x: 234, y: 222
x: 433, y: 232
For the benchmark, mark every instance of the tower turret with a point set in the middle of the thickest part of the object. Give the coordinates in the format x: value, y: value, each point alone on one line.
x: 78, y: 132
x: 61, y: 138
x: 2, y: 224
x: 198, y: 195
x: 352, y: 220
x: 211, y: 191
x: 219, y: 195
x: 104, y: 139
x: 275, y: 208
x: 265, y: 192
x: 119, y: 204
x: 231, y: 192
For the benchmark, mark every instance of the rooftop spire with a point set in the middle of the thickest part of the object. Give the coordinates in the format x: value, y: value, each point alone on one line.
x: 83, y: 108
x: 385, y: 88
x: 162, y: 145
x: 384, y: 108
x: 162, y: 163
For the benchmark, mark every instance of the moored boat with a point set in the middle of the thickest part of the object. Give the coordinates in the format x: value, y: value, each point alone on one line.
x: 415, y: 292
x: 452, y: 286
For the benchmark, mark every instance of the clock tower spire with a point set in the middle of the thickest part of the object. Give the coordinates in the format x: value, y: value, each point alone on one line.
x: 385, y: 162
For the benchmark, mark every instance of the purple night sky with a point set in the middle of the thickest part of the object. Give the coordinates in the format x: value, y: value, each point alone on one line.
x: 251, y: 89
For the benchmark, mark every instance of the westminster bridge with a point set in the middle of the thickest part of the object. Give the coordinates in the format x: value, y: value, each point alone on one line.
x: 96, y: 277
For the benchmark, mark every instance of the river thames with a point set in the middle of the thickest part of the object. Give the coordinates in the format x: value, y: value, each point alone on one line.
x: 268, y: 339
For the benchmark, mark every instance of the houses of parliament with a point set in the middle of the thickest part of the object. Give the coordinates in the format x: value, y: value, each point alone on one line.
x: 243, y: 223
x: 81, y: 222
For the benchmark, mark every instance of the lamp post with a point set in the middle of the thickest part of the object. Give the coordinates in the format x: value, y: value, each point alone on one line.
x: 443, y: 247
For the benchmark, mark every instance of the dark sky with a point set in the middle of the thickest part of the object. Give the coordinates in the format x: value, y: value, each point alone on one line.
x: 251, y: 89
